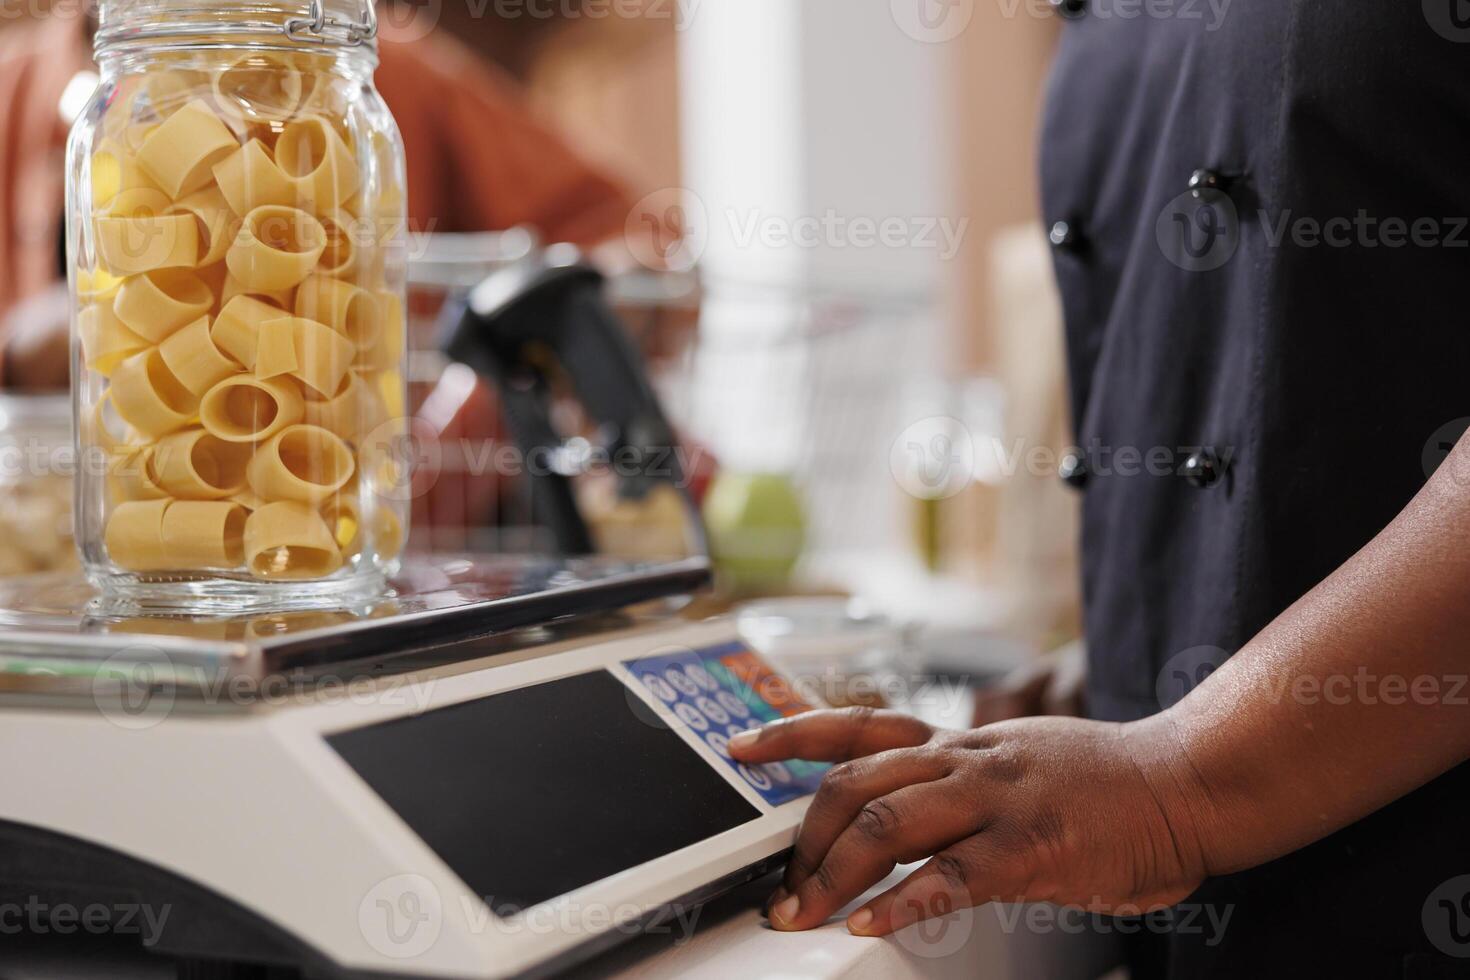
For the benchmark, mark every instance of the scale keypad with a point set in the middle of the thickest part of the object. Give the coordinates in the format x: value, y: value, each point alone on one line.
x: 721, y: 691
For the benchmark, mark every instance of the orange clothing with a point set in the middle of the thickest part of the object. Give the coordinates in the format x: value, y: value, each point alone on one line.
x: 477, y: 161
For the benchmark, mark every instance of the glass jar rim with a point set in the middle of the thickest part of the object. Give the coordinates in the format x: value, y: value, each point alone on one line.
x: 319, y: 23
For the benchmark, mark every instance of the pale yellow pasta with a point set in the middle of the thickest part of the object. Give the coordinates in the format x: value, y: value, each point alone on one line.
x: 195, y: 465
x: 285, y: 299
x: 249, y: 409
x: 135, y: 236
x: 347, y: 309
x: 165, y: 91
x: 289, y: 540
x: 134, y: 535
x: 97, y: 286
x: 148, y: 396
x: 130, y: 475
x: 318, y: 356
x: 106, y: 340
x: 276, y: 353
x: 354, y: 410
x: 248, y: 499
x: 258, y: 87
x: 385, y: 353
x: 193, y: 357
x: 345, y: 519
x: 339, y: 258
x: 217, y: 223
x: 114, y: 170
x: 155, y: 304
x: 276, y: 249
x: 249, y: 179
x: 100, y: 431
x: 301, y: 462
x: 313, y: 155
x: 204, y: 534
x: 236, y: 329
x: 181, y: 153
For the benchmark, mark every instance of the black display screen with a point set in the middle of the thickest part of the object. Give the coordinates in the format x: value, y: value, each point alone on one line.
x: 533, y: 793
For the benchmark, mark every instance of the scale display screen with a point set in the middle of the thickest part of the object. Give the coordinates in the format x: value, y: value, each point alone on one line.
x: 536, y: 792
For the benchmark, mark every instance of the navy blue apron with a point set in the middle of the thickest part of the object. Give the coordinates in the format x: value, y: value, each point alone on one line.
x: 1259, y: 217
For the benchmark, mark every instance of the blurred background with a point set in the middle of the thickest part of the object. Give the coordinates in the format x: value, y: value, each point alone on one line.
x: 819, y: 220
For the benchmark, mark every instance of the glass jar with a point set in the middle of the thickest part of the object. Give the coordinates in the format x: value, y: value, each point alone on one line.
x: 235, y: 234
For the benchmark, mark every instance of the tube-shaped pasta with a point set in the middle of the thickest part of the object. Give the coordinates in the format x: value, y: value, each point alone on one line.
x: 384, y: 354
x: 97, y: 286
x: 148, y: 396
x: 134, y: 535
x: 114, y: 170
x: 318, y: 357
x: 248, y: 409
x: 155, y: 304
x: 339, y: 258
x: 193, y: 357
x: 354, y: 410
x: 289, y: 540
x: 217, y: 223
x: 301, y: 462
x: 347, y: 309
x: 236, y: 330
x: 135, y: 236
x: 181, y: 153
x: 258, y: 87
x: 345, y: 518
x: 204, y: 534
x: 195, y: 465
x: 277, y: 248
x: 249, y: 179
x: 283, y: 298
x: 106, y: 340
x: 313, y: 155
x: 248, y: 499
x: 130, y: 475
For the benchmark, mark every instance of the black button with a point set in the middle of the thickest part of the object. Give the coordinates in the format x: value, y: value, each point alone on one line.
x: 1073, y: 471
x: 1064, y: 235
x: 1203, y: 469
x: 1205, y: 184
x: 1070, y: 8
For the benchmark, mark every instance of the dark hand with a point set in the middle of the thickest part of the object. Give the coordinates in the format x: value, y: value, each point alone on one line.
x: 1045, y: 809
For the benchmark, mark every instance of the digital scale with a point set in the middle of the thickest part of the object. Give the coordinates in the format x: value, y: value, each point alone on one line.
x: 422, y: 788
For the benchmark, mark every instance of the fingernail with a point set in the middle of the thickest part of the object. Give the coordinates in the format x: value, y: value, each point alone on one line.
x: 785, y: 911
x: 778, y: 896
x: 743, y: 741
x: 858, y: 922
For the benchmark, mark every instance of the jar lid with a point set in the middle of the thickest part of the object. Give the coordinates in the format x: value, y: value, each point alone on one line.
x: 348, y: 23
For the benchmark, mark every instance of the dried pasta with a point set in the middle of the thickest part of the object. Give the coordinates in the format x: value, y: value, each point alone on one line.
x: 106, y: 340
x: 352, y: 412
x: 243, y: 408
x: 313, y: 155
x: 155, y: 304
x: 249, y: 179
x: 148, y: 396
x: 134, y: 235
x: 289, y: 540
x: 301, y: 462
x: 204, y: 534
x: 134, y: 535
x: 277, y: 248
x: 309, y: 351
x: 347, y: 309
x: 181, y: 153
x: 195, y: 465
x: 217, y: 223
x: 258, y: 87
x: 236, y: 329
x: 192, y: 356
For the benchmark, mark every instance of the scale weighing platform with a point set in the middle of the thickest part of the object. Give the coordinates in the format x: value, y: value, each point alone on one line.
x: 499, y: 770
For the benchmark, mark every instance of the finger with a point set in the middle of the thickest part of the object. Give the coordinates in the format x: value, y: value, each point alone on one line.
x: 846, y: 790
x: 830, y: 736
x: 977, y: 870
x: 903, y: 826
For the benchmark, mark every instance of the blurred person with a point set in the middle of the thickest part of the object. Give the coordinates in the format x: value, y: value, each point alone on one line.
x: 1260, y: 238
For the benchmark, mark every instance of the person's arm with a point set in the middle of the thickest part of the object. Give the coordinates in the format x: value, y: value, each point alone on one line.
x: 1350, y: 699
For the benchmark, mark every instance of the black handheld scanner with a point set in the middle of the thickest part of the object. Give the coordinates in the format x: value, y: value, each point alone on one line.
x: 548, y: 313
